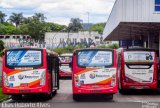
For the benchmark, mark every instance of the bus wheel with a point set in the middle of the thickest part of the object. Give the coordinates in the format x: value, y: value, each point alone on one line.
x: 121, y: 91
x: 108, y: 96
x: 16, y: 97
x: 76, y: 97
x: 55, y: 92
x: 49, y: 96
x: 111, y: 97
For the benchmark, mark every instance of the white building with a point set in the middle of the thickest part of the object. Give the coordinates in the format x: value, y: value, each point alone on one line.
x: 135, y: 20
x: 13, y: 41
x: 61, y: 39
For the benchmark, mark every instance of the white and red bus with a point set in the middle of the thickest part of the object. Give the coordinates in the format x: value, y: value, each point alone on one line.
x: 28, y: 71
x: 65, y: 60
x: 138, y: 69
x: 94, y: 72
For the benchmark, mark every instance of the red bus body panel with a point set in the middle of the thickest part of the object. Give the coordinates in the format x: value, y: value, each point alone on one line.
x: 131, y: 84
x: 31, y: 88
x: 91, y: 88
x: 63, y: 73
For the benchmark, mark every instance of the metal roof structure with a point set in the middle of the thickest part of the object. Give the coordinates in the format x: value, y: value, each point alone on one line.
x: 133, y: 19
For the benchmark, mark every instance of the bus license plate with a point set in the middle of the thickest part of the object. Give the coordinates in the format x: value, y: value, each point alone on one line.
x: 95, y: 91
x: 24, y: 84
x: 24, y: 91
x: 138, y: 87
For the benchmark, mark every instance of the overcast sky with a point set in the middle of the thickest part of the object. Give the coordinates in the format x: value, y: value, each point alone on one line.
x: 61, y: 11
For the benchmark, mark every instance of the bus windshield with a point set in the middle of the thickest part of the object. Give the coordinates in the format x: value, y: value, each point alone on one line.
x: 65, y: 58
x: 23, y: 58
x: 139, y: 56
x: 93, y: 58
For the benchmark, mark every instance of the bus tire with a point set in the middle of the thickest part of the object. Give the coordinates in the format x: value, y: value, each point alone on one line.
x: 111, y: 97
x: 75, y: 97
x: 16, y: 97
x: 55, y: 92
x: 49, y: 96
x: 108, y: 96
x: 121, y: 91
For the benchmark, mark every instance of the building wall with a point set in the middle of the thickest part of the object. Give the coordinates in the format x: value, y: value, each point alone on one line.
x: 12, y: 41
x: 54, y: 39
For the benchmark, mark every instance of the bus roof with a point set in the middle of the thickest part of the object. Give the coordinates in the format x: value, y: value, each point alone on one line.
x: 67, y: 54
x: 139, y: 49
x: 48, y: 51
x: 25, y: 48
x: 94, y: 49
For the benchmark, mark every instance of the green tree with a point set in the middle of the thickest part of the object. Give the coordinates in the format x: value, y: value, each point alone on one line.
x: 39, y: 16
x: 75, y: 25
x: 35, y: 29
x: 7, y: 29
x: 54, y: 27
x: 33, y: 26
x: 68, y: 49
x: 1, y: 47
x: 27, y: 20
x: 112, y: 46
x: 2, y: 29
x: 99, y: 27
x: 2, y: 17
x: 24, y: 29
x: 16, y: 18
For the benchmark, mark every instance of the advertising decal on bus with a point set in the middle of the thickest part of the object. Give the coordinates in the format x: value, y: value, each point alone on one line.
x: 23, y: 58
x: 139, y: 73
x: 21, y: 78
x: 140, y: 56
x: 92, y: 60
x: 18, y: 78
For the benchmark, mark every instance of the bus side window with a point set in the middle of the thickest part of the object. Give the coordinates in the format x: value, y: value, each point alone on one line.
x: 50, y: 64
x: 57, y: 63
x: 54, y: 64
x: 71, y: 64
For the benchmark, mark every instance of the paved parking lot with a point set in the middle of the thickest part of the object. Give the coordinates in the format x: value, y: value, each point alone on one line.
x: 63, y: 99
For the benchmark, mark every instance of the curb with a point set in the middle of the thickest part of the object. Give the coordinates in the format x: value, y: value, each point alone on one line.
x: 5, y: 99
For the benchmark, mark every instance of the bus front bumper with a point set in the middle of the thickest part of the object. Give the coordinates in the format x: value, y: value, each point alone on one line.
x: 109, y: 90
x: 9, y: 91
x: 65, y: 74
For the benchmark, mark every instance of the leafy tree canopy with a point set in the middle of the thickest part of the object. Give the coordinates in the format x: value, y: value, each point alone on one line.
x: 98, y: 27
x: 75, y: 25
x: 1, y: 47
x: 2, y: 17
x: 35, y: 26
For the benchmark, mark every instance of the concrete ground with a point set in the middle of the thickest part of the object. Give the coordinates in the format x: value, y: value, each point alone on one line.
x: 63, y: 99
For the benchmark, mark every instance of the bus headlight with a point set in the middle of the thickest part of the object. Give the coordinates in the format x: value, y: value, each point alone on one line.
x: 43, y: 78
x: 113, y: 82
x: 5, y: 79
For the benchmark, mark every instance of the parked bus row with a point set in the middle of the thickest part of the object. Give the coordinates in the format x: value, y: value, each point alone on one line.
x: 94, y: 71
x: 98, y: 71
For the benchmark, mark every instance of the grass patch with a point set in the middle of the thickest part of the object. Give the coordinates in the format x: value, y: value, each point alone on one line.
x: 2, y: 96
